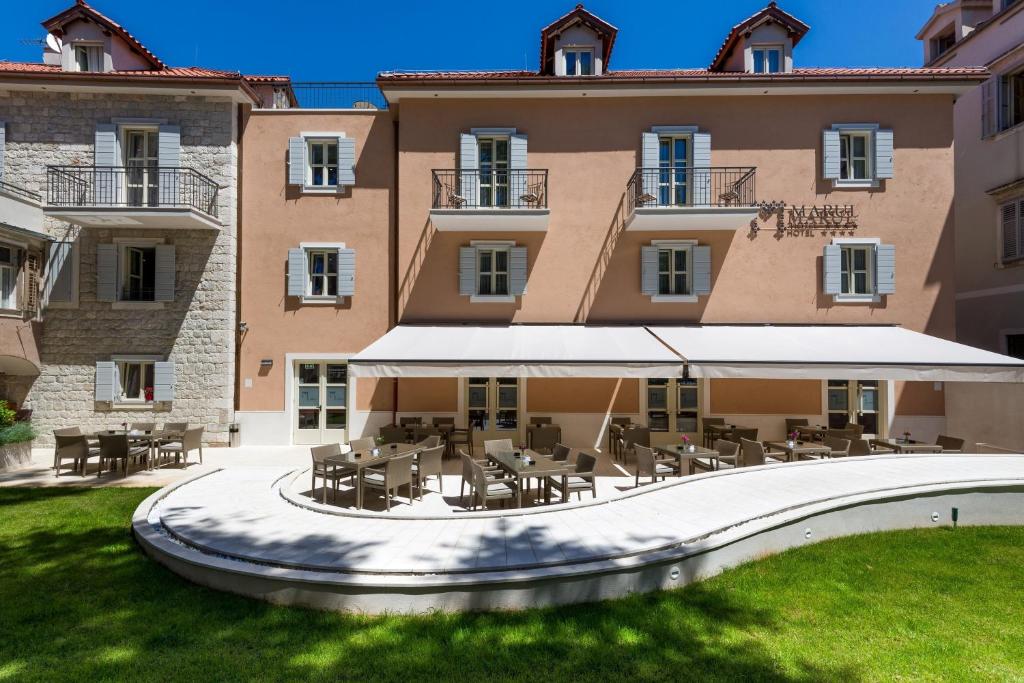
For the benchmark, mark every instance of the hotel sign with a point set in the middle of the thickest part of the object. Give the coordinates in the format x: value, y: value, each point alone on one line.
x: 807, y: 220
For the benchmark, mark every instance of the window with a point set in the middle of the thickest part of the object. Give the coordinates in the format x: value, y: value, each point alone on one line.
x: 579, y: 62
x: 943, y: 43
x: 138, y: 273
x: 673, y: 174
x: 323, y: 163
x: 673, y: 405
x: 767, y: 59
x: 1002, y: 103
x: 854, y: 148
x: 494, y: 154
x: 8, y: 277
x: 135, y: 381
x: 1011, y: 219
x: 1014, y: 93
x: 686, y: 405
x: 323, y: 272
x: 492, y: 271
x: 88, y: 57
x: 476, y: 403
x: 1015, y: 345
x: 674, y: 271
x: 657, y: 404
x: 856, y: 274
x: 141, y: 158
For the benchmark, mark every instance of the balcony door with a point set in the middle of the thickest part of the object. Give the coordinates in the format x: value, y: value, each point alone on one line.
x: 492, y: 408
x: 673, y: 173
x: 859, y: 402
x: 321, y: 403
x: 493, y: 155
x: 141, y: 166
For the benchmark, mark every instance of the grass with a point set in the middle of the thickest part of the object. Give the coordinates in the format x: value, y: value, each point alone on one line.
x: 79, y: 601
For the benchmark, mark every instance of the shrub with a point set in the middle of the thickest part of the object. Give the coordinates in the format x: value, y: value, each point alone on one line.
x: 6, y: 414
x: 17, y: 433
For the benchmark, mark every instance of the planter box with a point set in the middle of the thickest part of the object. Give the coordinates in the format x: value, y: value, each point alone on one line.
x: 15, y: 455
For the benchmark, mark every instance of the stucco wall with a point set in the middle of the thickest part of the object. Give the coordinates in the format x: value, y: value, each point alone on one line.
x: 197, y: 329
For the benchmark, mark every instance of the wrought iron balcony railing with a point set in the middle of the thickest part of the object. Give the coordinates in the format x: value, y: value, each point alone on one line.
x: 682, y: 187
x: 20, y: 192
x: 130, y: 187
x: 338, y: 95
x: 507, y: 188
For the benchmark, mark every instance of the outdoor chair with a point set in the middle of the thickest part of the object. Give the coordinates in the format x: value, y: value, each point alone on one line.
x: 492, y: 471
x: 73, y: 447
x: 486, y: 488
x: 114, y: 447
x: 840, y: 448
x: 393, y: 434
x: 862, y: 447
x: 410, y: 421
x: 461, y: 436
x: 560, y: 453
x: 438, y: 421
x: 636, y: 436
x: 367, y: 443
x: 738, y: 435
x: 583, y: 479
x: 327, y: 472
x: 540, y: 420
x: 854, y: 428
x: 395, y: 474
x: 728, y: 457
x: 542, y: 438
x: 754, y: 454
x: 950, y: 444
x: 145, y: 427
x: 66, y: 431
x: 430, y: 441
x: 649, y: 466
x: 707, y: 433
x: 622, y: 420
x: 191, y: 440
x: 428, y: 464
x: 849, y: 434
x: 793, y: 422
x: 495, y: 446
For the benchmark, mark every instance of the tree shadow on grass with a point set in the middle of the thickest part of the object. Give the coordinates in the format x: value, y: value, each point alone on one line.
x: 79, y: 600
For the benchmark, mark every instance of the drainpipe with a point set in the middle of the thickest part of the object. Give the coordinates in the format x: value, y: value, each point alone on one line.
x: 393, y: 258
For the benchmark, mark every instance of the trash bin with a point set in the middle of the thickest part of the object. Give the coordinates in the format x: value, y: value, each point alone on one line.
x: 234, y: 435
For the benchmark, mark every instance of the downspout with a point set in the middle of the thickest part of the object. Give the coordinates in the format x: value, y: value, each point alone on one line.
x: 393, y: 258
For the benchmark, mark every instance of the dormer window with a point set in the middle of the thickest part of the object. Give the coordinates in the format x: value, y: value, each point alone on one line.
x: 943, y: 43
x: 579, y: 61
x: 767, y: 59
x: 88, y: 58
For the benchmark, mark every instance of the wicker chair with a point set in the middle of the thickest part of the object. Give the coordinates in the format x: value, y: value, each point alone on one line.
x: 487, y: 488
x: 560, y: 453
x: 410, y: 421
x: 461, y: 436
x: 854, y: 428
x: 542, y: 438
x: 631, y: 438
x: 428, y: 464
x: 331, y: 473
x: 707, y: 433
x: 862, y: 447
x: 420, y: 434
x: 492, y: 472
x: 540, y: 420
x: 430, y: 441
x: 495, y: 446
x: 146, y: 427
x: 583, y: 479
x: 367, y: 443
x: 738, y: 435
x: 840, y: 447
x: 396, y: 473
x: 793, y: 422
x: 115, y: 447
x: 950, y: 444
x: 649, y: 466
x: 73, y: 447
x: 754, y: 453
x: 191, y: 440
x: 438, y: 421
x: 393, y: 434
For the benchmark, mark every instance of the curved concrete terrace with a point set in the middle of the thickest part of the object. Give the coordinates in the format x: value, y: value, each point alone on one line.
x: 247, y: 531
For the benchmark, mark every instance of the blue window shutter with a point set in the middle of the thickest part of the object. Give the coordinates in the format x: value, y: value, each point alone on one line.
x: 701, y: 270
x: 163, y: 381
x: 169, y: 157
x: 1010, y: 230
x: 885, y: 269
x: 106, y: 387
x: 105, y: 182
x: 649, y: 270
x: 296, y: 272
x: 990, y: 107
x: 517, y: 161
x: 3, y: 143
x: 517, y: 264
x: 164, y: 275
x: 469, y: 162
x: 346, y: 272
x: 883, y: 154
x: 60, y: 273
x: 297, y: 161
x: 830, y: 154
x: 467, y: 271
x: 346, y: 161
x: 106, y: 272
x: 649, y: 163
x: 831, y: 268
x: 702, y: 169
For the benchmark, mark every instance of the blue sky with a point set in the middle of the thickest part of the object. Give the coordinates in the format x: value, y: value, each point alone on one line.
x: 346, y: 40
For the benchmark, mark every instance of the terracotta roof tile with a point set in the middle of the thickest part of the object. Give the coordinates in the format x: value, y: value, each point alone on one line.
x: 166, y: 72
x: 82, y: 8
x: 771, y: 12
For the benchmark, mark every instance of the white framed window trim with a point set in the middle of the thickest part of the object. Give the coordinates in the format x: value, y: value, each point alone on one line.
x: 124, y: 244
x: 320, y: 299
x: 688, y: 245
x: 145, y: 364
x: 325, y: 138
x: 868, y: 130
x: 765, y: 51
x: 578, y: 60
x: 874, y: 296
x: 494, y: 245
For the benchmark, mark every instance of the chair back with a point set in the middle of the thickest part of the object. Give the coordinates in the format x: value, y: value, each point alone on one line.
x: 192, y: 439
x: 860, y: 447
x: 713, y: 420
x: 113, y: 445
x: 840, y: 447
x: 753, y: 452
x: 143, y: 427
x: 319, y: 453
x: 175, y: 426
x: 644, y: 460
x: 399, y: 471
x: 467, y: 465
x: 421, y: 434
x: 68, y: 431
x: 949, y: 443
x: 392, y: 434
x: 854, y: 428
x: 738, y: 435
x: 560, y: 453
x: 543, y: 437
x: 429, y: 461
x: 461, y: 435
x: 410, y: 421
x: 540, y: 420
x: 585, y: 463
x: 443, y: 421
x: 793, y: 422
x: 637, y: 435
x: 622, y: 420
x: 479, y: 477
x: 364, y: 444
x: 726, y: 448
x: 841, y: 434
x: 71, y: 445
x: 495, y: 446
x: 431, y: 441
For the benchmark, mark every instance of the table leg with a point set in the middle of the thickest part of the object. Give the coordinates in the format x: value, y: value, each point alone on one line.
x: 359, y: 489
x: 519, y: 492
x: 547, y: 491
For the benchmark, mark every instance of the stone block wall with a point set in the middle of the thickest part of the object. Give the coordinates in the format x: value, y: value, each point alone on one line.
x: 196, y: 330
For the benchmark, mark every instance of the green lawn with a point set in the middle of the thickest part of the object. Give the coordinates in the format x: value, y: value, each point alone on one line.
x: 78, y: 600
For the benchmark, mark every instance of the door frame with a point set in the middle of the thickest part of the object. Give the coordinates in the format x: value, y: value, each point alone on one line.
x: 673, y: 437
x: 886, y: 400
x: 492, y: 406
x: 290, y: 388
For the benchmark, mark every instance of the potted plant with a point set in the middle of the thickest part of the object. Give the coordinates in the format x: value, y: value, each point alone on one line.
x: 15, y: 438
x: 687, y: 446
x: 792, y: 438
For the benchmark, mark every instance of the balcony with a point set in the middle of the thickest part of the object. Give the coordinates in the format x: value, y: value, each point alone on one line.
x: 20, y: 208
x: 490, y: 200
x: 712, y: 198
x: 132, y: 197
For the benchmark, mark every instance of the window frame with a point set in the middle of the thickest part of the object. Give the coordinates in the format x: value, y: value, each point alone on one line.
x: 676, y: 245
x: 576, y: 51
x: 766, y: 48
x: 493, y: 250
x: 687, y: 272
x: 92, y: 50
x: 673, y: 410
x: 147, y: 364
x: 496, y: 169
x: 326, y: 253
x: 868, y: 131
x: 123, y: 246
x: 326, y: 143
x: 871, y: 245
x: 674, y: 170
x: 1015, y: 92
x: 846, y: 141
x: 1018, y: 209
x: 12, y: 266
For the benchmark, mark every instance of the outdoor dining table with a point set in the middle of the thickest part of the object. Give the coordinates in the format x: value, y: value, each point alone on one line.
x: 905, y: 446
x: 812, y: 433
x: 135, y: 436
x: 540, y: 467
x: 360, y: 460
x: 799, y: 449
x: 681, y: 453
x: 723, y: 431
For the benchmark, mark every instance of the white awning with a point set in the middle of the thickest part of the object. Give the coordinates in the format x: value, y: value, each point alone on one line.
x: 833, y: 352
x: 516, y: 351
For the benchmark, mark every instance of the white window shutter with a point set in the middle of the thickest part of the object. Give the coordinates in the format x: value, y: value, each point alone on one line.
x: 469, y: 162
x: 702, y: 270
x: 990, y: 107
x: 649, y: 270
x: 106, y: 388
x: 517, y: 161
x: 106, y: 272
x: 60, y: 273
x: 3, y: 143
x: 649, y: 164
x: 163, y: 286
x: 346, y: 272
x: 297, y: 161
x: 883, y: 154
x: 467, y: 271
x: 169, y: 158
x: 346, y: 161
x: 832, y: 269
x: 830, y: 154
x: 105, y: 181
x: 885, y: 269
x: 1010, y: 218
x: 296, y: 272
x: 702, y: 169
x: 517, y: 265
x: 163, y: 381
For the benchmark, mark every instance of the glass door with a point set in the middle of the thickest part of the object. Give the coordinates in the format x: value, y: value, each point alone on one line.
x: 493, y: 171
x: 141, y: 162
x: 673, y: 409
x: 321, y: 402
x: 673, y: 159
x: 492, y: 408
x: 859, y: 402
